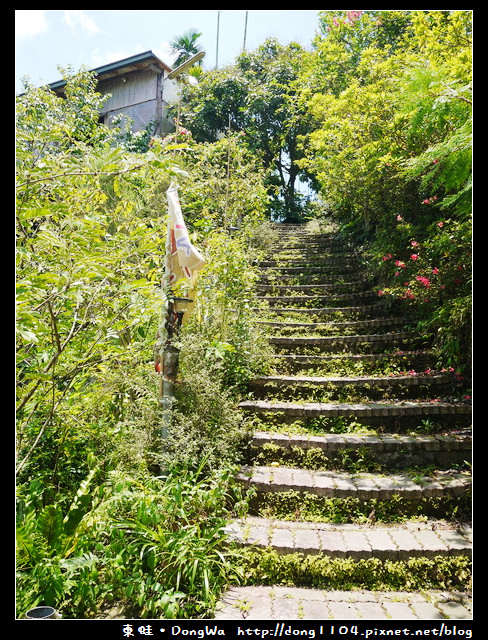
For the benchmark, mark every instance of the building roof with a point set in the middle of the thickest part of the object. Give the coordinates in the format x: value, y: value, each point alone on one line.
x: 138, y: 62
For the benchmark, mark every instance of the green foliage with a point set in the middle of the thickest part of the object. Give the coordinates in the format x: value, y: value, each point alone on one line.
x: 52, y: 565
x: 151, y: 547
x: 257, y: 96
x: 90, y: 249
x: 390, y: 148
x: 378, y: 117
x: 352, y: 460
x: 222, y: 348
x: 225, y: 186
x: 169, y: 541
x: 324, y: 572
x: 185, y: 46
x: 295, y: 505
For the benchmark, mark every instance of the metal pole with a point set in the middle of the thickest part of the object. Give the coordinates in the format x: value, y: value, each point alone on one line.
x: 245, y: 33
x: 169, y: 365
x: 217, y: 47
x: 169, y: 361
x: 228, y: 178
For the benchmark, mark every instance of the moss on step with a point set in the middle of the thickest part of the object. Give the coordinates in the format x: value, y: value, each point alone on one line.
x: 301, y: 506
x: 267, y: 567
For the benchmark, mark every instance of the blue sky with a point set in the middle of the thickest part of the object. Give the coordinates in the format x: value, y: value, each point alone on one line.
x: 45, y: 39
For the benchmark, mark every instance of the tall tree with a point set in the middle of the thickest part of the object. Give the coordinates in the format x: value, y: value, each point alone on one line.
x: 186, y: 46
x: 258, y: 97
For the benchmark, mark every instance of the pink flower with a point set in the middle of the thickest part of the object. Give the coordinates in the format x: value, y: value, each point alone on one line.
x: 435, y: 270
x: 388, y: 256
x: 435, y: 161
x: 399, y: 218
x: 413, y: 257
x: 440, y: 225
x: 353, y: 15
x: 414, y: 243
x: 399, y: 263
x: 408, y: 295
x: 426, y: 201
x: 424, y: 281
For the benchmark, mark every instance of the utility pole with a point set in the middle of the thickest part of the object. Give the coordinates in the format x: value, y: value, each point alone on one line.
x: 245, y: 33
x: 217, y: 47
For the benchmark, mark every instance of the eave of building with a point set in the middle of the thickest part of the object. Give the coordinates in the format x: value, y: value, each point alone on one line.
x: 138, y: 62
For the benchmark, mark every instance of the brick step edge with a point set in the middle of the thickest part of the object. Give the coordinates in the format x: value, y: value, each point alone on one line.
x: 383, y: 443
x: 417, y: 353
x: 317, y: 326
x: 373, y: 409
x: 272, y: 602
x: 358, y: 296
x: 366, y: 309
x: 363, y: 486
x: 358, y: 285
x: 349, y: 261
x: 343, y: 339
x: 395, y: 542
x: 359, y: 381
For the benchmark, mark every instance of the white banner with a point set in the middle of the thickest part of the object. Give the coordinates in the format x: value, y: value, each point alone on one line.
x: 182, y: 259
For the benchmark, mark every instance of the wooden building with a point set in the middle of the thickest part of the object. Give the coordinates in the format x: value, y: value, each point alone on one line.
x: 139, y: 88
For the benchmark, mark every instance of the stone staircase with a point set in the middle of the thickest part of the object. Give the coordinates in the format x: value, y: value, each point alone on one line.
x: 361, y: 448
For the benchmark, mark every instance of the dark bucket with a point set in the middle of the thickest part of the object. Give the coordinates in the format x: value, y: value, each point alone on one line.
x: 42, y: 613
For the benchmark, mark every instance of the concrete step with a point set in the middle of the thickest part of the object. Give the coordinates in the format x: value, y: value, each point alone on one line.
x: 336, y: 269
x: 394, y: 451
x: 383, y: 415
x: 363, y: 486
x: 394, y: 542
x: 286, y: 251
x: 283, y: 603
x: 417, y: 360
x: 359, y: 343
x: 287, y: 289
x: 293, y: 474
x: 412, y: 386
x: 362, y: 311
x: 309, y: 328
x: 300, y: 277
x: 317, y: 260
x: 316, y: 300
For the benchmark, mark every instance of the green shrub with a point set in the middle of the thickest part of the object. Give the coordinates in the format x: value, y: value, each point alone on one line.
x: 324, y: 572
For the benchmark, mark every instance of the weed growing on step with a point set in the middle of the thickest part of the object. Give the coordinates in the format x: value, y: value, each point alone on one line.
x: 294, y: 505
x: 265, y: 567
x: 352, y: 460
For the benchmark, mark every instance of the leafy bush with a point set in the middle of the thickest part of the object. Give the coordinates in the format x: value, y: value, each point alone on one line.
x: 151, y: 547
x: 324, y: 572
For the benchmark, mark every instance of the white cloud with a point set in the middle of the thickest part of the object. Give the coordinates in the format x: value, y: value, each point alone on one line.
x: 30, y: 23
x: 76, y: 19
x: 99, y: 58
x: 164, y: 53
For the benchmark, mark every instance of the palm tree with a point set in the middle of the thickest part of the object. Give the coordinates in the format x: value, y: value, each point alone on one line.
x: 185, y: 46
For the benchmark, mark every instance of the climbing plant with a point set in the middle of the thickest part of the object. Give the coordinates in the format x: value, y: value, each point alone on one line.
x: 390, y: 148
x: 91, y: 228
